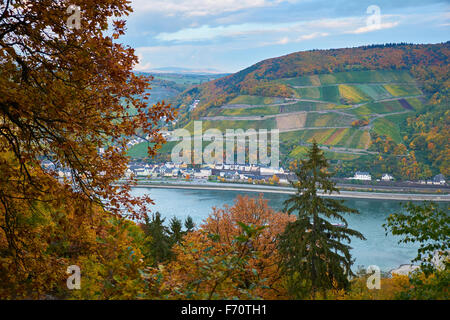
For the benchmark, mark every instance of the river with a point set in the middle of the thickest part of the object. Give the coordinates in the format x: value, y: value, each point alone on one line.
x: 379, y: 249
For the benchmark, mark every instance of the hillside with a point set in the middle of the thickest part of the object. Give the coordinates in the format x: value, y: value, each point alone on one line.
x: 341, y: 98
x: 167, y: 86
x: 259, y: 79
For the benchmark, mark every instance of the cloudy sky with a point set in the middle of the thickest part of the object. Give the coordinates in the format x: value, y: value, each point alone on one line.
x: 229, y: 35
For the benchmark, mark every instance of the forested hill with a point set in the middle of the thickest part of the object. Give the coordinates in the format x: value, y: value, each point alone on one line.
x: 382, y: 108
x: 258, y: 79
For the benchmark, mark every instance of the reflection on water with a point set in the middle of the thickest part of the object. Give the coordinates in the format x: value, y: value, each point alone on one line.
x: 378, y: 249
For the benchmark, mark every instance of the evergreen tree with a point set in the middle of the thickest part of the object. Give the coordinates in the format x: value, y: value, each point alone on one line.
x: 160, y: 240
x: 175, y: 231
x: 312, y: 249
x: 189, y: 224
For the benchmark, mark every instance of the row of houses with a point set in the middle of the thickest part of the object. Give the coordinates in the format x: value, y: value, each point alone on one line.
x: 437, y: 180
x: 227, y: 172
x: 366, y: 176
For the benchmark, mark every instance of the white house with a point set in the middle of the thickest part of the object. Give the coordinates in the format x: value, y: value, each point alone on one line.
x: 364, y: 176
x: 271, y: 171
x: 203, y: 174
x: 439, y: 179
x: 128, y: 173
x: 387, y: 177
x: 143, y: 172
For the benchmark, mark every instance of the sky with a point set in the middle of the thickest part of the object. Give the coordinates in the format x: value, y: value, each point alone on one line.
x: 230, y: 35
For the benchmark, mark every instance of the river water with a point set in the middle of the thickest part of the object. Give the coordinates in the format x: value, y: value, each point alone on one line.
x: 379, y: 249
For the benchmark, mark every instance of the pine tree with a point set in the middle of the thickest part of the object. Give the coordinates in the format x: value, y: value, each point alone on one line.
x: 175, y: 231
x: 312, y: 249
x: 160, y: 240
x: 189, y: 224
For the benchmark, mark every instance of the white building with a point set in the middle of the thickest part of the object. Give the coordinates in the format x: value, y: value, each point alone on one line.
x: 203, y: 174
x: 143, y: 172
x: 439, y: 179
x: 364, y: 176
x: 271, y: 171
x: 387, y: 177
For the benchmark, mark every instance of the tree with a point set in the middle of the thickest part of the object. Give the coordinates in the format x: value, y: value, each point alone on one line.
x: 175, y: 231
x: 213, y: 261
x: 201, y: 271
x: 189, y: 224
x: 65, y: 95
x: 427, y: 224
x: 160, y: 241
x: 311, y: 247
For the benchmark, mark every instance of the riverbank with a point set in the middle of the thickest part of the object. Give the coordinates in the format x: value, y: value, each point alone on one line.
x: 288, y: 190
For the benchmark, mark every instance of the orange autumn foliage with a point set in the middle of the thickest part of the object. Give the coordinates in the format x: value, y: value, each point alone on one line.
x: 389, y: 289
x: 203, y: 259
x: 65, y: 95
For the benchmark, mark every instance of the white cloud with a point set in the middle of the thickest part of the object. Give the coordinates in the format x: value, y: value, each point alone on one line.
x: 201, y: 7
x: 141, y: 66
x: 287, y: 40
x: 313, y: 36
x: 206, y: 32
x: 307, y: 29
x: 284, y: 40
x: 374, y: 27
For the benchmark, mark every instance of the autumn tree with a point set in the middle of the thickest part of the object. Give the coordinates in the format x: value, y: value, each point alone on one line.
x: 429, y: 226
x: 200, y: 272
x: 65, y: 94
x: 210, y: 260
x: 312, y: 248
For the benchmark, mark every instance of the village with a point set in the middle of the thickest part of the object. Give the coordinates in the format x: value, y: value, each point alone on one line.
x: 253, y: 174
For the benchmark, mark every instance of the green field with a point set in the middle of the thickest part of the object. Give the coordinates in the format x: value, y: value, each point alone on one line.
x: 311, y: 106
x: 326, y: 94
x: 402, y: 90
x: 353, y: 94
x: 378, y: 108
x: 327, y: 120
x: 309, y: 93
x: 269, y: 110
x: 255, y: 100
x: 366, y: 77
x: 300, y: 152
x: 374, y: 91
x: 387, y: 107
x: 302, y: 81
x: 390, y: 126
x: 416, y: 103
x: 354, y: 77
x: 347, y: 137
